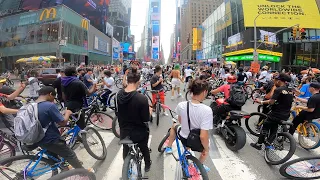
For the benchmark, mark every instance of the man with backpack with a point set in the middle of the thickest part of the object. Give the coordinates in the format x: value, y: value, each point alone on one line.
x: 41, y: 130
x: 234, y: 95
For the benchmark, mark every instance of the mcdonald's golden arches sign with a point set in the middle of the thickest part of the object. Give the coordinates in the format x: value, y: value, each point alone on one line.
x: 85, y: 24
x: 48, y: 13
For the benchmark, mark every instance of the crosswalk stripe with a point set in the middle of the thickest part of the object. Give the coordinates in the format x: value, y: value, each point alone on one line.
x: 229, y: 165
x: 85, y: 157
x: 115, y: 169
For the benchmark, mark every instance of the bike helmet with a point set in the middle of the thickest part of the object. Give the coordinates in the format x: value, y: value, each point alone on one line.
x: 232, y: 79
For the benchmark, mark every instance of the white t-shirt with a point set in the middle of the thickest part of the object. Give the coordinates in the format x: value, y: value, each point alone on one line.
x: 249, y: 74
x: 188, y: 72
x: 263, y: 74
x: 222, y: 72
x: 109, y: 81
x: 200, y: 117
x: 226, y: 75
x: 269, y: 77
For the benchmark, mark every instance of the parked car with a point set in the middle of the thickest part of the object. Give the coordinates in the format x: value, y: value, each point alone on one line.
x: 46, y: 75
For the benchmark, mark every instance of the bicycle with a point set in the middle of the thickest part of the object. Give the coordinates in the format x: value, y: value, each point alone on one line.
x: 74, y: 174
x: 283, y: 141
x: 72, y: 132
x: 302, y: 168
x: 157, y: 104
x: 191, y: 170
x: 134, y: 156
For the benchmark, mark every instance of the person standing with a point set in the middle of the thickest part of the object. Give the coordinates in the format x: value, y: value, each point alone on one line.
x: 87, y: 79
x: 156, y: 84
x: 133, y: 113
x: 187, y: 76
x: 175, y: 82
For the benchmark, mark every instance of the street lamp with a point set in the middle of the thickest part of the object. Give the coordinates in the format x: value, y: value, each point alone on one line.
x: 255, y: 54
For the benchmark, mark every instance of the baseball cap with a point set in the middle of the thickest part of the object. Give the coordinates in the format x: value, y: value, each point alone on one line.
x: 315, y: 85
x: 283, y: 77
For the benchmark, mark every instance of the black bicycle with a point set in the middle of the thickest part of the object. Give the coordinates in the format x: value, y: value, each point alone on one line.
x: 302, y: 168
x: 131, y: 168
x: 157, y: 105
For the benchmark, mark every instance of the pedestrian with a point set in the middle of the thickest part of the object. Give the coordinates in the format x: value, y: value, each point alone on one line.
x: 175, y: 82
x: 187, y: 76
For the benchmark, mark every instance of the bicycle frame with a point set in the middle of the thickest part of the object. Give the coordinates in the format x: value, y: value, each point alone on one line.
x: 182, y: 157
x: 32, y: 172
x: 135, y: 151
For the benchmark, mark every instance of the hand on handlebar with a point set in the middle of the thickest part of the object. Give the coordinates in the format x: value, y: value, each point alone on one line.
x: 257, y: 101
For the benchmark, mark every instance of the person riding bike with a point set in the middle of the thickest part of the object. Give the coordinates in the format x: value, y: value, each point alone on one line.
x: 200, y: 118
x: 241, y: 77
x: 222, y: 110
x: 107, y: 83
x: 311, y: 111
x: 280, y: 102
x: 133, y: 113
x: 156, y: 84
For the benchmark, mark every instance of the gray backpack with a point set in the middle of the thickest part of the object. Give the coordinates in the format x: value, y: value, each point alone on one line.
x: 27, y: 127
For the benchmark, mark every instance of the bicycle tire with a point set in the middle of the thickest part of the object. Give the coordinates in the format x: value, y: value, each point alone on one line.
x: 199, y: 165
x: 290, y: 152
x: 253, y: 93
x: 4, y: 174
x: 111, y: 101
x: 29, y: 157
x: 63, y: 132
x: 303, y: 144
x: 248, y: 125
x: 237, y: 143
x: 101, y: 123
x: 249, y: 90
x: 119, y: 84
x: 284, y: 167
x: 158, y: 109
x: 126, y: 164
x: 164, y: 139
x: 149, y: 98
x: 68, y: 174
x: 11, y: 149
x: 87, y: 147
x: 115, y: 130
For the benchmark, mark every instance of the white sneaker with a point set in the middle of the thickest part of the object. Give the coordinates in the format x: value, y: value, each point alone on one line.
x: 172, y: 98
x: 179, y: 95
x: 165, y: 113
x: 154, y: 115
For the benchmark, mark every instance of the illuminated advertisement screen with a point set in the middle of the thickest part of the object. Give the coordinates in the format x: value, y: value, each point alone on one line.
x: 155, y: 28
x: 94, y: 10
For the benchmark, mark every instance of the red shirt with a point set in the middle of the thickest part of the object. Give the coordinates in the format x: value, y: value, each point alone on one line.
x: 226, y: 90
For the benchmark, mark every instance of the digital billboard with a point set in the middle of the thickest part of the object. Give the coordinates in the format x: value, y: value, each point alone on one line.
x: 281, y: 13
x: 94, y: 10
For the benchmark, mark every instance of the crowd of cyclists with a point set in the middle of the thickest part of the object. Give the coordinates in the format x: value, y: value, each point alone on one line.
x: 73, y: 86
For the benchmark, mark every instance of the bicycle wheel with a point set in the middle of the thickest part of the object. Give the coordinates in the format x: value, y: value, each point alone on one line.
x: 6, y: 173
x: 158, y: 110
x: 119, y: 84
x: 93, y: 143
x: 249, y: 90
x: 301, y: 168
x: 256, y: 94
x: 131, y: 168
x: 195, y: 169
x: 188, y: 95
x: 68, y: 136
x: 75, y: 174
x: 101, y: 120
x: 116, y: 127
x: 164, y: 142
x: 112, y: 101
x: 6, y: 150
x: 282, y: 151
x: 19, y: 163
x: 254, y: 123
x: 312, y: 138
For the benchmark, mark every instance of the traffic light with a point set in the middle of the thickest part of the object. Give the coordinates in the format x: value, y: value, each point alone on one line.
x: 266, y: 38
x: 294, y: 32
x: 303, y: 33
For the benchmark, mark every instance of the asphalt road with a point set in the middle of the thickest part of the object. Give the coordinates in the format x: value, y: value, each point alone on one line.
x: 246, y: 164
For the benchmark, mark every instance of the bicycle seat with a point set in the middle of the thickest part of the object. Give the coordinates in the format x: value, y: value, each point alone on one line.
x: 29, y: 147
x: 286, y: 123
x: 238, y: 114
x: 126, y: 140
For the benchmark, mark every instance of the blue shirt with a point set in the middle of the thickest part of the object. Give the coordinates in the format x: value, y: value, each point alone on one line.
x: 49, y: 113
x: 86, y: 82
x: 305, y: 90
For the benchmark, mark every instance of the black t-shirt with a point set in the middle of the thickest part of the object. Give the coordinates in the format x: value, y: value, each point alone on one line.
x: 314, y: 102
x: 241, y: 76
x: 75, y: 93
x: 155, y: 79
x: 282, y: 107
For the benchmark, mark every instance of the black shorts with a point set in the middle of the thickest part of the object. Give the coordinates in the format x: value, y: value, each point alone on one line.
x: 183, y: 140
x: 188, y: 78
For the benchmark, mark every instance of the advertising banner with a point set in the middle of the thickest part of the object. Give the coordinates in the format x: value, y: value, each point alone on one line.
x: 199, y: 54
x: 155, y: 28
x: 155, y: 41
x: 261, y: 57
x: 155, y: 17
x: 281, y: 13
x: 109, y: 30
x: 100, y: 45
x: 155, y: 53
x: 197, y: 38
x: 178, y: 48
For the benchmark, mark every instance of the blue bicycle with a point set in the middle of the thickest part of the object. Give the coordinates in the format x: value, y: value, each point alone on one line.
x: 192, y: 168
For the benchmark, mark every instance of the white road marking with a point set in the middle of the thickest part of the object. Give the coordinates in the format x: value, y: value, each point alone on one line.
x: 114, y: 172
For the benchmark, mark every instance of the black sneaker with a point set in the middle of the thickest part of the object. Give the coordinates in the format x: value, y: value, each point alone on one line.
x: 147, y: 167
x: 256, y: 146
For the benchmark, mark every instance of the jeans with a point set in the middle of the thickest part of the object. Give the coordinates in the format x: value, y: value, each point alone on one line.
x: 105, y: 96
x: 61, y: 149
x: 143, y: 145
x: 270, y: 126
x: 300, y: 118
x: 220, y: 111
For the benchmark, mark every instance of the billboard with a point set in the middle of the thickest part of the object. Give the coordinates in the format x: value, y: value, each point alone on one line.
x: 155, y: 53
x: 281, y: 13
x: 155, y: 28
x: 155, y: 41
x: 94, y: 10
x: 109, y: 30
x: 197, y: 38
x: 115, y: 49
x: 155, y: 17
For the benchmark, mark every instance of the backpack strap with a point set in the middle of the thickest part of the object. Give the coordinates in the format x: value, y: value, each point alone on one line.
x: 188, y: 116
x: 36, y: 112
x: 116, y: 108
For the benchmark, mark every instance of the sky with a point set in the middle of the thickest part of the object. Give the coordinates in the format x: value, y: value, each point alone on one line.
x: 168, y: 19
